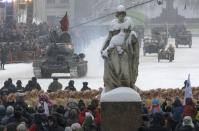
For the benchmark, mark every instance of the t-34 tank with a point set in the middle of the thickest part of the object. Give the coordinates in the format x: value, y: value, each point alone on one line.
x: 60, y: 60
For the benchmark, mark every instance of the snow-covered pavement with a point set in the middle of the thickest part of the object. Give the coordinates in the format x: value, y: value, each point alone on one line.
x: 152, y: 75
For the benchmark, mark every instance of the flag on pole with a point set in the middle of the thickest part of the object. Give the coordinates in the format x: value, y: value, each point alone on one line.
x: 188, y: 90
x: 64, y: 23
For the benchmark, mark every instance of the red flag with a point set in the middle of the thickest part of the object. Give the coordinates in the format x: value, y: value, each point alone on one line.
x: 64, y: 23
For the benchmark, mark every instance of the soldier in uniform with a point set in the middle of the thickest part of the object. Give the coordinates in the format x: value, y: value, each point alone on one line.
x: 85, y: 86
x: 55, y: 85
x: 3, y: 55
x: 171, y: 50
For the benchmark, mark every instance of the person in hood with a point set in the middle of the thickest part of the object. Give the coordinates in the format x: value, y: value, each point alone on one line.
x: 53, y: 125
x: 70, y: 86
x: 29, y: 86
x: 9, y: 114
x: 72, y: 117
x: 176, y: 110
x: 45, y: 103
x: 189, y: 109
x: 85, y: 86
x: 19, y: 87
x: 71, y: 104
x: 155, y: 108
x: 187, y: 125
x: 81, y: 105
x: 40, y: 122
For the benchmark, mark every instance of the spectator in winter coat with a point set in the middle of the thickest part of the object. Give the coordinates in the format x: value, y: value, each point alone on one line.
x: 71, y: 104
x: 187, y: 125
x: 52, y: 124
x: 19, y: 87
x: 40, y: 122
x: 158, y: 123
x: 88, y: 125
x: 145, y: 124
x: 9, y: 114
x: 72, y: 117
x: 70, y: 86
x: 45, y: 103
x: 2, y: 112
x: 176, y: 110
x: 90, y: 111
x: 155, y: 108
x: 189, y: 109
x: 85, y: 86
x: 55, y: 85
x: 81, y: 105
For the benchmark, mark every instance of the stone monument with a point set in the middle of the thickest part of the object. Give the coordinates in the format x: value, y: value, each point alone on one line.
x: 120, y: 103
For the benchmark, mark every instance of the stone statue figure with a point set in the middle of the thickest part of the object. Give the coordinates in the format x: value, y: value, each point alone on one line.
x: 120, y: 53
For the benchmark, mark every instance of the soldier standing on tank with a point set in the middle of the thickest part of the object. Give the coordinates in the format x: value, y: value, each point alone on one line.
x: 70, y: 86
x: 35, y: 84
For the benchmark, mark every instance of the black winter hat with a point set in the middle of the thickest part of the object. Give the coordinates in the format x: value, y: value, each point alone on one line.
x: 90, y: 107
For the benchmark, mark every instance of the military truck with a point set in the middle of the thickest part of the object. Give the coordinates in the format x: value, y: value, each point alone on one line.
x: 152, y: 46
x: 176, y: 29
x: 60, y: 60
x: 183, y: 38
x: 160, y: 34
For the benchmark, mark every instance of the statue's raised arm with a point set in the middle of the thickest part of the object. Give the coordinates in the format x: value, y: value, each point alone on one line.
x: 121, y: 53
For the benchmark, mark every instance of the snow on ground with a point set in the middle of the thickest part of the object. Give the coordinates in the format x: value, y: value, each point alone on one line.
x: 152, y: 75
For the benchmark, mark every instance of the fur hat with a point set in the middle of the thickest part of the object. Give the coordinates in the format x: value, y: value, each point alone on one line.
x: 187, y: 121
x: 75, y: 126
x: 9, y: 110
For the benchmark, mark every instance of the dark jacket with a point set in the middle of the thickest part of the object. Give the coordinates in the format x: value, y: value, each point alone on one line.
x: 176, y: 110
x: 158, y: 123
x: 72, y: 117
x: 70, y: 88
x: 186, y: 128
x: 84, y: 88
x: 20, y: 89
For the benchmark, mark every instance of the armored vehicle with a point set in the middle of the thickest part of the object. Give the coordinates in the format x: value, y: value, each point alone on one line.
x: 152, y: 46
x: 160, y: 34
x: 60, y: 60
x: 183, y: 38
x: 176, y: 29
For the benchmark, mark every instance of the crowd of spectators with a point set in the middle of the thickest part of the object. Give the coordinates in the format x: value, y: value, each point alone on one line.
x: 171, y: 115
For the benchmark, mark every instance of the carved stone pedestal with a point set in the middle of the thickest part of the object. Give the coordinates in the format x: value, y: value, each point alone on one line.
x: 120, y: 110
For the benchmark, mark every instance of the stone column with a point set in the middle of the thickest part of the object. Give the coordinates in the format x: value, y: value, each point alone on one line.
x: 120, y: 110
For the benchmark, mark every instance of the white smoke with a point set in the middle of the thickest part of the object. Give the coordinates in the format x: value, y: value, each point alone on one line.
x: 93, y: 56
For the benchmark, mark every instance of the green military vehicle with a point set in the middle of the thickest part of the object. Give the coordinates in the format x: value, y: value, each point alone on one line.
x: 183, y: 38
x: 160, y: 34
x: 60, y: 60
